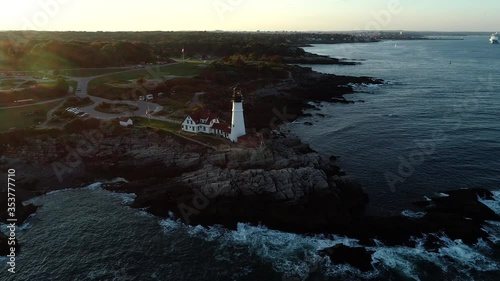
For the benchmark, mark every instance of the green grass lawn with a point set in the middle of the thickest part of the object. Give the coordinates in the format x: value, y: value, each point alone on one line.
x: 156, y: 124
x: 87, y: 72
x: 77, y: 102
x: 182, y: 69
x: 115, y: 107
x: 207, y: 139
x: 154, y: 72
x: 10, y: 83
x: 170, y: 104
x: 22, y: 118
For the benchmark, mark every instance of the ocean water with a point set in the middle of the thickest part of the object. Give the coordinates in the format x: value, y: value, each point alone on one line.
x: 434, y: 126
x: 93, y: 234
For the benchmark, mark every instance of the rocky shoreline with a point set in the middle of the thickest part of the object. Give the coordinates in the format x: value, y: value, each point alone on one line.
x: 309, y: 58
x: 283, y: 184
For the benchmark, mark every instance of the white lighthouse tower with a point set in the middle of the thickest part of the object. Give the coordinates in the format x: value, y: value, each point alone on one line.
x: 237, y: 121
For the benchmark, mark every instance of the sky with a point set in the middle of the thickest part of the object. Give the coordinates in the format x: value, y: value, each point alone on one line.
x: 250, y: 15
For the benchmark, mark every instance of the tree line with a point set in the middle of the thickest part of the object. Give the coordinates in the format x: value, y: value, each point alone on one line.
x: 98, y: 49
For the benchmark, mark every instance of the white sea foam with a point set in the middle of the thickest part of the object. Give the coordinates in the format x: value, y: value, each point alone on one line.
x: 467, y: 257
x: 127, y: 198
x: 412, y: 214
x: 94, y: 186
x: 442, y: 195
x: 27, y: 224
x: 398, y: 259
x: 493, y: 204
x: 116, y: 180
x: 454, y: 254
x: 169, y: 225
x: 493, y: 230
x: 493, y: 227
x: 57, y: 191
x: 296, y: 256
x: 389, y: 82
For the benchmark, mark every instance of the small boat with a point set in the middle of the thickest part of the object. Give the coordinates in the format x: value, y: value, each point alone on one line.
x: 494, y: 38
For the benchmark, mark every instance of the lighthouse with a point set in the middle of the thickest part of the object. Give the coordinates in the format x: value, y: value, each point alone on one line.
x: 237, y: 121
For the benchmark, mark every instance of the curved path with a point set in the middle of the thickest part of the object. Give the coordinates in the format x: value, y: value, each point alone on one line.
x: 145, y: 108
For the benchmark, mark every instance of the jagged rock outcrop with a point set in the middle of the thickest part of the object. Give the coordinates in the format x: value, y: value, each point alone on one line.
x: 285, y: 185
x: 288, y: 184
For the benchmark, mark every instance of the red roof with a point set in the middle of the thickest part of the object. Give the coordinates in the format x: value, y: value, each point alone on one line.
x: 222, y: 126
x: 201, y: 115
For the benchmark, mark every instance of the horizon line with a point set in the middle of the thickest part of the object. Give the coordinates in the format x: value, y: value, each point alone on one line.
x: 252, y: 31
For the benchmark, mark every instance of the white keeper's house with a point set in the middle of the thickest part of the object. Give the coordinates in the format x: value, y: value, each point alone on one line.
x: 207, y: 122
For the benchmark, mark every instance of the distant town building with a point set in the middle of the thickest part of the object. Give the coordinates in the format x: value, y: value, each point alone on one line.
x: 207, y: 122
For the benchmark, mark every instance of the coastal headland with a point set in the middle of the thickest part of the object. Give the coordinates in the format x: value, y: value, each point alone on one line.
x: 281, y: 182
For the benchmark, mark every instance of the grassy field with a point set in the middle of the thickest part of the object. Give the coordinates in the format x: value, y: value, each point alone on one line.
x: 11, y: 82
x: 156, y: 124
x: 24, y: 117
x: 208, y: 139
x: 115, y: 107
x: 155, y: 72
x: 87, y: 72
x: 77, y: 102
x: 182, y: 69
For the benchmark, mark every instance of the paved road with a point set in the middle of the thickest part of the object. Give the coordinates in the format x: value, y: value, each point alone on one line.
x: 50, y: 114
x: 145, y: 108
x: 195, y: 100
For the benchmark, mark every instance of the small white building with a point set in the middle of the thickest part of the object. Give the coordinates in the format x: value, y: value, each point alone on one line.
x: 125, y: 122
x: 205, y: 122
